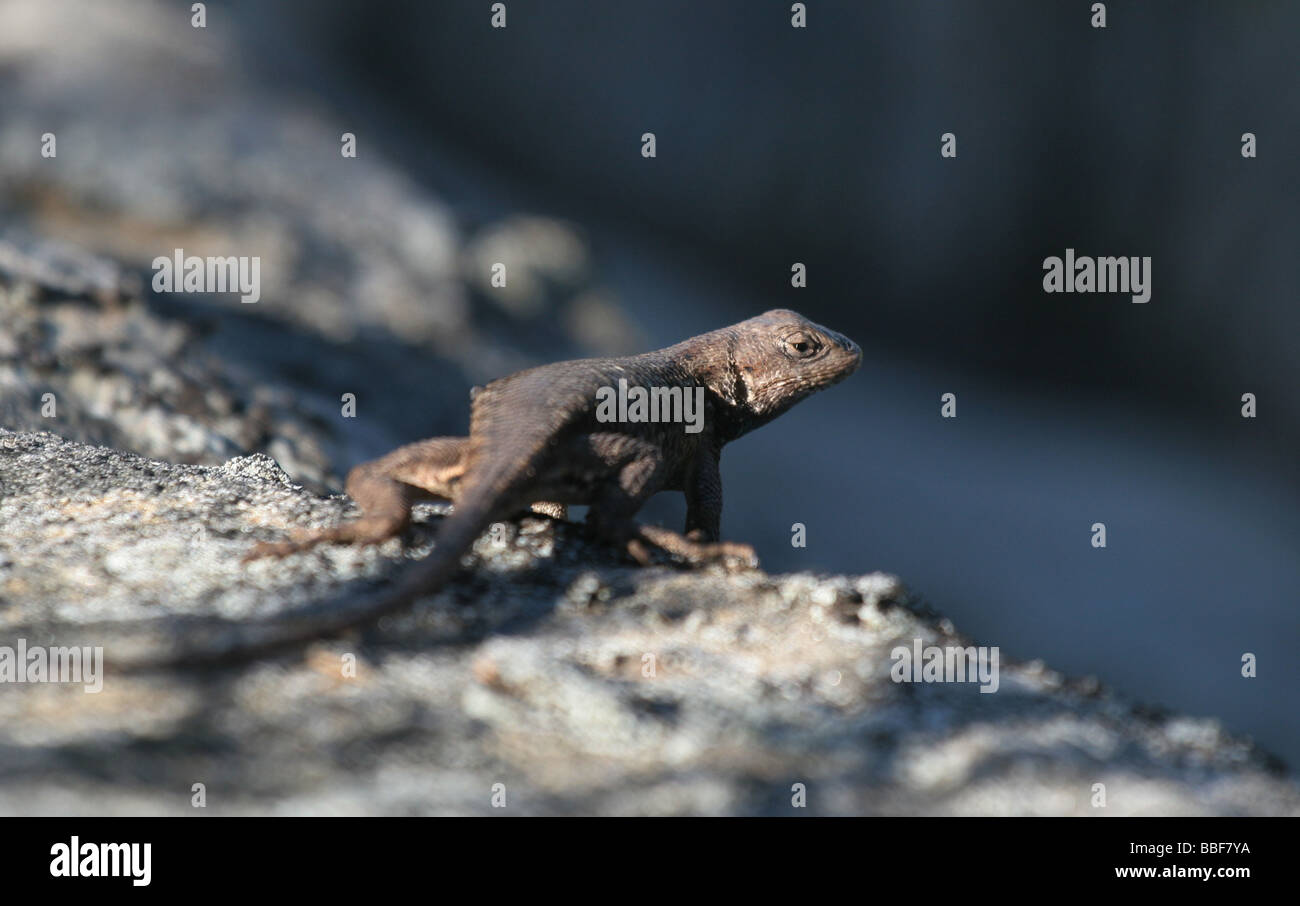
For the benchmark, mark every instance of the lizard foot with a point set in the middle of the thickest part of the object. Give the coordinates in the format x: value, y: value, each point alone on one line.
x: 731, y: 554
x: 638, y: 552
x: 362, y: 531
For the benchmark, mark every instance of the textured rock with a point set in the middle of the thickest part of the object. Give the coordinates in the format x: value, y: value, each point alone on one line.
x: 82, y: 352
x: 530, y: 670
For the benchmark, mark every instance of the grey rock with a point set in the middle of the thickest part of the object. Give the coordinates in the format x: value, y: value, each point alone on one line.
x: 532, y: 670
x: 83, y: 353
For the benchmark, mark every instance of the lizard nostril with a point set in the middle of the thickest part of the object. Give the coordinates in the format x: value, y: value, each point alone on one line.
x: 848, y: 345
x: 854, y: 351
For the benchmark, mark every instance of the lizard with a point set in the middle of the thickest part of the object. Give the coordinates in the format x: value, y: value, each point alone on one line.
x: 536, y: 441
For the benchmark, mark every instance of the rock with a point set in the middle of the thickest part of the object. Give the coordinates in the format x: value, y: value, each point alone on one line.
x: 86, y: 354
x: 582, y: 684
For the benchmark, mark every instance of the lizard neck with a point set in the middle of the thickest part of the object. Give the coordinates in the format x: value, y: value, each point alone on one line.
x: 709, y: 361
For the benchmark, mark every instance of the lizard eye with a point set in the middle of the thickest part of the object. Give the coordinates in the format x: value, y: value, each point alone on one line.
x: 802, y: 345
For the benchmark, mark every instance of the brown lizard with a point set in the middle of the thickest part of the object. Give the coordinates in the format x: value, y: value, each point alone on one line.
x: 542, y: 439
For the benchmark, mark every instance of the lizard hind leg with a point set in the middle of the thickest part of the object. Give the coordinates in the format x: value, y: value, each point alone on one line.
x: 386, y: 512
x: 385, y: 489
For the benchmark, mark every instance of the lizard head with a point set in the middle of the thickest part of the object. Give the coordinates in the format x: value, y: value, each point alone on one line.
x: 779, y: 358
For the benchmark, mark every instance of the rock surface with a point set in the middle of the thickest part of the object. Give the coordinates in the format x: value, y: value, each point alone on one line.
x: 582, y: 684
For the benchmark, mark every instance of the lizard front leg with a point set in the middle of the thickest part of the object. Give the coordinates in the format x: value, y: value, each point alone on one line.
x: 703, y: 518
x: 610, y: 516
x: 704, y: 497
x: 698, y: 552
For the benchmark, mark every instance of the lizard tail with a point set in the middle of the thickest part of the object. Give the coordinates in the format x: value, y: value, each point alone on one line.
x: 491, y: 494
x: 204, y: 644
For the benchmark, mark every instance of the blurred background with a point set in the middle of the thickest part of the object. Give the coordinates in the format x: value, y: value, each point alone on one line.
x: 775, y: 145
